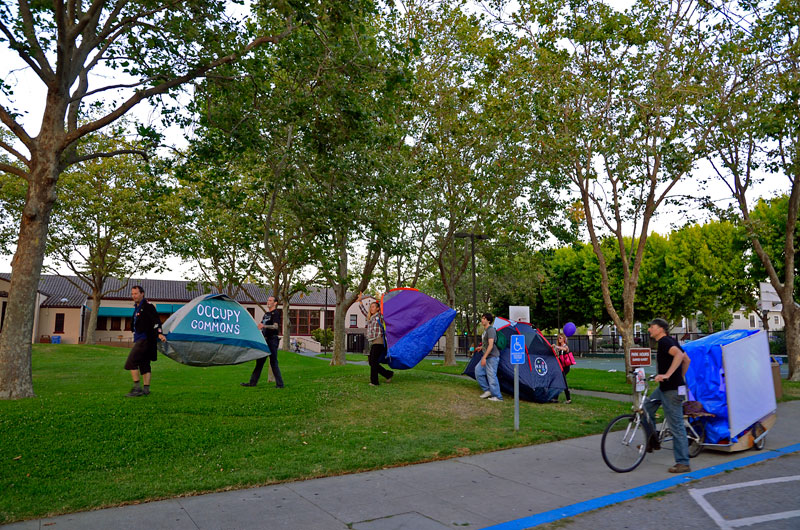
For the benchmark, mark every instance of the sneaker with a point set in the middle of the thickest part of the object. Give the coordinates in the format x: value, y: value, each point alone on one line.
x: 146, y: 392
x: 679, y: 468
x: 494, y: 399
x: 135, y: 392
x: 485, y: 395
x: 372, y: 384
x: 247, y: 384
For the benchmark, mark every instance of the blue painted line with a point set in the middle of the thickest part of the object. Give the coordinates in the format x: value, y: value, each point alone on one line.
x: 622, y: 496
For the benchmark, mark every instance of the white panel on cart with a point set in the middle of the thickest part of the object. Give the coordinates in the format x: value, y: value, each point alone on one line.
x: 748, y: 381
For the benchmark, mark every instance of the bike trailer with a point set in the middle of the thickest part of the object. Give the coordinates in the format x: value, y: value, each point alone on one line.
x: 731, y: 376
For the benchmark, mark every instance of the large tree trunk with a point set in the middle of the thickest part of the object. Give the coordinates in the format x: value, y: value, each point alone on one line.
x: 16, y: 379
x: 791, y: 317
x: 339, y: 347
x: 450, y: 340
x: 286, y: 333
x: 627, y: 344
x: 450, y: 345
x: 91, y: 330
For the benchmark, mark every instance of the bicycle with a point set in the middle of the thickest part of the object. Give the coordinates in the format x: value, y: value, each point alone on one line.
x: 624, y: 441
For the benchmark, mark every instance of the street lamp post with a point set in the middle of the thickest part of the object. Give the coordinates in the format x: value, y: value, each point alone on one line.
x: 472, y: 237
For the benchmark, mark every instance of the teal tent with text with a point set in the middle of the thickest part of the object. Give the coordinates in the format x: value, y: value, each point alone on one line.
x: 212, y: 330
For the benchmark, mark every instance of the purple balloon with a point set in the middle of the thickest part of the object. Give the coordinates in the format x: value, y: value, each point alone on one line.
x: 569, y: 329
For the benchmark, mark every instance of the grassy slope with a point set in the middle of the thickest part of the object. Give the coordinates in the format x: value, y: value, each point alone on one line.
x: 80, y: 444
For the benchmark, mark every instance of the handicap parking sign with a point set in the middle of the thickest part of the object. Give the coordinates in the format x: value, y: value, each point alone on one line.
x: 517, y: 349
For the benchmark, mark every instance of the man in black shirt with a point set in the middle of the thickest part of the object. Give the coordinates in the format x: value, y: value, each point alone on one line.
x: 672, y: 363
x: 270, y: 327
x: 146, y: 333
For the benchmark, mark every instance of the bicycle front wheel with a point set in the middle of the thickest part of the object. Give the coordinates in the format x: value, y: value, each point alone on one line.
x: 624, y: 443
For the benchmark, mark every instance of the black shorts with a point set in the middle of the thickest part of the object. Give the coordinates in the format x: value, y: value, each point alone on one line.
x: 139, y: 358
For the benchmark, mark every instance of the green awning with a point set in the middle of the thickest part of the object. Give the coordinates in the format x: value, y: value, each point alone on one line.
x: 115, y: 312
x: 168, y: 308
x: 106, y: 311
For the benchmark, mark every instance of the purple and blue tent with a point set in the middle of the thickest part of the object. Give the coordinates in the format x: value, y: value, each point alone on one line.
x: 413, y: 322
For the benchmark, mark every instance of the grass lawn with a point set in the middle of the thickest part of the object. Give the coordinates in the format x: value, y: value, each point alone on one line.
x: 430, y: 365
x: 598, y: 380
x: 81, y: 444
x: 791, y: 390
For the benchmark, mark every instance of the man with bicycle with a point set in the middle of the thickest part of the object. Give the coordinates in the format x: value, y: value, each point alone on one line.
x: 672, y: 364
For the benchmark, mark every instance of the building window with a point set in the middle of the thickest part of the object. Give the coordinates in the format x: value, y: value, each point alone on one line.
x: 353, y: 321
x: 329, y: 319
x: 59, y: 323
x: 116, y: 323
x: 128, y: 324
x: 737, y: 316
x: 101, y: 324
x: 252, y: 311
x: 304, y: 321
x: 777, y: 320
x: 752, y: 321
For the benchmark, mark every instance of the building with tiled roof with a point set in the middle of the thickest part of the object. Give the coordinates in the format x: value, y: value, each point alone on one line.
x: 63, y: 310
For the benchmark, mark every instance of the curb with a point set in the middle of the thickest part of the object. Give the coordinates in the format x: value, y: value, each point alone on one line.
x: 622, y: 496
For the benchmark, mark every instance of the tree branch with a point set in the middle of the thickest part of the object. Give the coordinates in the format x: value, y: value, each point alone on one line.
x: 107, y: 154
x: 17, y: 46
x: 167, y: 85
x: 45, y: 71
x: 15, y: 127
x: 8, y: 168
x: 15, y: 153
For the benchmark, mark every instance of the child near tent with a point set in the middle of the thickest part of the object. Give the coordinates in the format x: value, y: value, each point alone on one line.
x: 562, y: 348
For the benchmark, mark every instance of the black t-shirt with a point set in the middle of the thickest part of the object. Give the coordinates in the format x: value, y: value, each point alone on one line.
x: 272, y: 317
x: 664, y: 361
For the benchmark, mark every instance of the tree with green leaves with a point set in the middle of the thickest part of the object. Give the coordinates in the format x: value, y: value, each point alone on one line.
x: 614, y: 99
x: 352, y: 189
x: 108, y: 222
x: 709, y: 271
x: 468, y: 149
x: 755, y: 106
x: 141, y: 50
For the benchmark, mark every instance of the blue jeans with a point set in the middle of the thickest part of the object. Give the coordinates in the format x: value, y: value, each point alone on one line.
x: 673, y: 410
x: 487, y: 376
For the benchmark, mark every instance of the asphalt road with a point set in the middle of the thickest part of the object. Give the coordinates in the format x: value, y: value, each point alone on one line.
x: 760, y: 497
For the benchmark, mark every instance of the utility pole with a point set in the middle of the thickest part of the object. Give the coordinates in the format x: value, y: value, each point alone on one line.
x: 472, y: 237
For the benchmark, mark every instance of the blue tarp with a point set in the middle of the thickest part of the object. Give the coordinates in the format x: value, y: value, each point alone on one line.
x: 706, y: 380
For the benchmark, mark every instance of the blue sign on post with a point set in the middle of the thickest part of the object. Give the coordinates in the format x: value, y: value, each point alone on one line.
x: 517, y: 349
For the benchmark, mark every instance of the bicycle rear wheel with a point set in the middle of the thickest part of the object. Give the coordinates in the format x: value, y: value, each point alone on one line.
x: 624, y: 443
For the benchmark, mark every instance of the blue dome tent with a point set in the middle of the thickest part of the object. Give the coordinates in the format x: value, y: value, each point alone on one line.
x: 212, y: 330
x: 540, y: 377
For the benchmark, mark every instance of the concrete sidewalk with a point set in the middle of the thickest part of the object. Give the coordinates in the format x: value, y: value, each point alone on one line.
x: 468, y: 492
